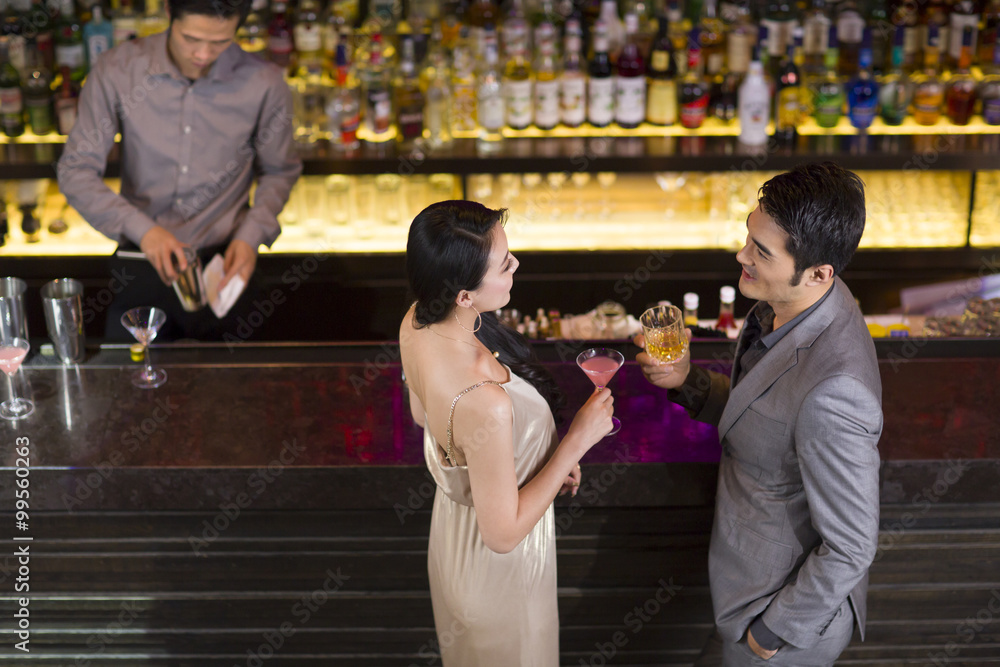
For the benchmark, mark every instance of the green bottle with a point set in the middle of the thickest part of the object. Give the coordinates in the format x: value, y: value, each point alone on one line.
x: 38, y: 94
x: 828, y: 98
x: 71, y: 51
x: 11, y: 99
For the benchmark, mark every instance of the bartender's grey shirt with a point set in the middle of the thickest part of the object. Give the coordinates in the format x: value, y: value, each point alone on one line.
x: 189, y: 150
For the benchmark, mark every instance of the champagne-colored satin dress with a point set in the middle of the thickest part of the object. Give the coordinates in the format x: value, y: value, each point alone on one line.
x: 490, y: 609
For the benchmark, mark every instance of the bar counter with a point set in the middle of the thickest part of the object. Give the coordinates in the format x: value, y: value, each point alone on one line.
x: 328, y: 426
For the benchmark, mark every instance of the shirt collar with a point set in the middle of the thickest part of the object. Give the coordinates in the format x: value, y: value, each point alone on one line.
x: 763, y: 316
x: 161, y: 64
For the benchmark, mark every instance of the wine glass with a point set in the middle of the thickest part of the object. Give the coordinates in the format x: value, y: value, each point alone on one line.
x: 600, y: 364
x: 143, y: 323
x: 12, y: 353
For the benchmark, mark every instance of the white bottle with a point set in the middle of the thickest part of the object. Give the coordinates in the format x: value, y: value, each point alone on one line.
x: 754, y: 106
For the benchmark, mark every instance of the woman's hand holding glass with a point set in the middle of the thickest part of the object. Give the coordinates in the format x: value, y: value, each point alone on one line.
x: 593, y: 421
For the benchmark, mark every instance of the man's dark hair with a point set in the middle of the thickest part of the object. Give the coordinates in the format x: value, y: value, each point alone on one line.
x: 223, y: 9
x: 822, y: 209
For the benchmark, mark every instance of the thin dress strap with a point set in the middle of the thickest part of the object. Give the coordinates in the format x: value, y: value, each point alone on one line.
x: 451, y: 416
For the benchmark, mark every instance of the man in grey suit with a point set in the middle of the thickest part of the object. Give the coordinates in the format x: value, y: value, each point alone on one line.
x: 799, y: 419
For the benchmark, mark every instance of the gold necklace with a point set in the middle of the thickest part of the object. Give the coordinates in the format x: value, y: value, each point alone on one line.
x: 496, y: 355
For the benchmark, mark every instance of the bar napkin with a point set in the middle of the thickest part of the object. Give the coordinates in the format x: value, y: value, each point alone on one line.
x: 221, y: 301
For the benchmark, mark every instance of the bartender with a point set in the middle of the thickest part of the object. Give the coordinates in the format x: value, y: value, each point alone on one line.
x: 199, y: 119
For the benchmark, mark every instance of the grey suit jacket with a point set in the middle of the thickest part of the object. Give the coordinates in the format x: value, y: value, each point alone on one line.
x: 797, y: 510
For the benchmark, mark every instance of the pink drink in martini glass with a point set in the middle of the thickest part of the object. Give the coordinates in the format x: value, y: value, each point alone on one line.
x: 12, y: 353
x: 600, y: 364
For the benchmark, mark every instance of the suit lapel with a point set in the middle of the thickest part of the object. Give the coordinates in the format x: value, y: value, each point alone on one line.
x: 779, y: 359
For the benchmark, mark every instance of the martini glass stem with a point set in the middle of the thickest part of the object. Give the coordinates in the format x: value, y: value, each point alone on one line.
x: 149, y: 375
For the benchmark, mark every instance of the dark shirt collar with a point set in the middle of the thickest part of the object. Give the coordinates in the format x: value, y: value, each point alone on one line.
x: 762, y: 319
x: 161, y: 64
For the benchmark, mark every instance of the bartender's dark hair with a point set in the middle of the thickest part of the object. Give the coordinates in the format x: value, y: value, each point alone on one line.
x: 224, y: 9
x: 447, y: 251
x: 822, y: 209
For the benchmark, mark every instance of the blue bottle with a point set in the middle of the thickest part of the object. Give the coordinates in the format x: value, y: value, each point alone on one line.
x: 862, y: 91
x: 97, y: 35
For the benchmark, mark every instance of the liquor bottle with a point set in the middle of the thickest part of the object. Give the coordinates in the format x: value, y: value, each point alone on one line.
x: 279, y: 36
x: 377, y: 94
x: 601, y: 87
x: 816, y: 24
x: 463, y: 87
x: 489, y: 95
x: 518, y: 79
x: 712, y: 33
x: 614, y: 29
x: 66, y: 101
x: 98, y: 35
x: 727, y: 298
x: 960, y: 94
x: 154, y: 20
x: 30, y: 226
x: 789, y: 98
x: 690, y: 309
x: 307, y: 38
x: 988, y: 33
x: 878, y: 20
x: 989, y: 90
x: 409, y: 101
x: 11, y: 97
x: 331, y: 25
x: 12, y: 33
x: 479, y: 15
x: 437, y: 112
x: 343, y: 111
x: 630, y: 84
x: 740, y: 38
x: 935, y: 13
x: 904, y: 19
x: 780, y: 20
x: 964, y: 14
x: 573, y: 82
x: 828, y: 95
x: 693, y: 97
x: 546, y: 91
x: 679, y: 32
x: 850, y: 28
x: 862, y: 92
x: 896, y: 89
x: 124, y: 23
x: 515, y: 17
x: 754, y: 106
x: 70, y: 49
x: 38, y: 94
x: 928, y: 91
x: 383, y: 17
x: 661, y: 97
x: 41, y: 24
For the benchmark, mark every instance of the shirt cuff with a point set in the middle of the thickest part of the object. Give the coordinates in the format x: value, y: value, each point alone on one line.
x: 764, y: 637
x: 253, y: 234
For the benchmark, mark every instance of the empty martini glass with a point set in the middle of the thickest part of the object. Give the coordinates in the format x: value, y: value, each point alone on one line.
x: 143, y: 323
x: 12, y: 353
x: 600, y: 364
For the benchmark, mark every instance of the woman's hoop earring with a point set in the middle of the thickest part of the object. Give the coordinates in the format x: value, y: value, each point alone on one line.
x: 476, y: 327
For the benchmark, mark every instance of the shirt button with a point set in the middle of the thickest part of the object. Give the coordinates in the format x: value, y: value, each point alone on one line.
x: 179, y: 201
x: 184, y: 169
x: 187, y: 129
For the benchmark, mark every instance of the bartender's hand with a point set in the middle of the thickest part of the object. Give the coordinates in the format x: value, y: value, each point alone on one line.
x: 667, y: 375
x: 240, y: 260
x: 160, y: 246
x: 757, y: 648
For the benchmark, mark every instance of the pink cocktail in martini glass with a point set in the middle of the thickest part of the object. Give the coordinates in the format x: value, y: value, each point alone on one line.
x: 600, y: 364
x: 12, y: 353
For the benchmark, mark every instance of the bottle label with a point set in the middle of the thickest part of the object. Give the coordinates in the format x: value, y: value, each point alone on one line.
x: 547, y: 103
x: 464, y: 108
x: 280, y: 50
x: 66, y: 115
x: 828, y: 111
x: 491, y: 112
x: 755, y: 112
x: 738, y: 50
x: 850, y: 28
x: 73, y: 56
x: 991, y: 111
x: 959, y: 22
x: 16, y: 52
x: 348, y: 129
x: 816, y: 35
x: 308, y: 38
x: 714, y: 62
x: 779, y: 34
x: 863, y: 113
x: 380, y: 105
x: 411, y: 122
x: 573, y: 90
x: 517, y: 96
x: 693, y: 112
x: 789, y: 108
x: 630, y: 102
x: 661, y: 61
x: 39, y: 116
x: 96, y: 45
x: 661, y: 104
x: 11, y: 101
x: 601, y: 102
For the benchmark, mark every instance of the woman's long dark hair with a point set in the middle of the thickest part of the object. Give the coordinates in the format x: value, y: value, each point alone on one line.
x: 447, y: 251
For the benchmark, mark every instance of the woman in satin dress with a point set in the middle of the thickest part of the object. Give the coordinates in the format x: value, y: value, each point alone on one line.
x: 490, y: 443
